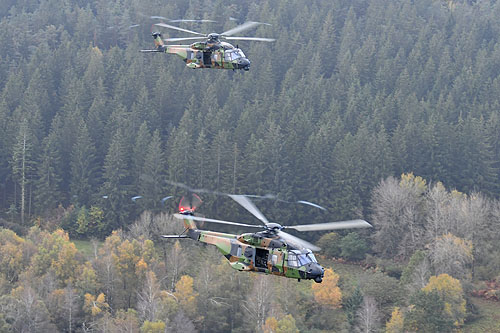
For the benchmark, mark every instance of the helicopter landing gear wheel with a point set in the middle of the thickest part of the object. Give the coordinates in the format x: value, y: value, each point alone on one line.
x: 318, y: 279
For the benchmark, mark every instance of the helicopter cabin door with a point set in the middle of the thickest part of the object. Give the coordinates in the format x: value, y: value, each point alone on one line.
x: 261, y: 259
x: 207, y: 59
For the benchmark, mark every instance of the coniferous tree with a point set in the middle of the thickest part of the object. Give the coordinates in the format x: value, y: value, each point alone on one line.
x: 47, y: 193
x: 96, y: 121
x: 5, y: 145
x: 153, y: 174
x: 12, y: 93
x: 139, y: 153
x: 116, y: 191
x: 83, y: 168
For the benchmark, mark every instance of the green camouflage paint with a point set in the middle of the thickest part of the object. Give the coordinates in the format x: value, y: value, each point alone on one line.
x: 220, y: 55
x: 250, y: 252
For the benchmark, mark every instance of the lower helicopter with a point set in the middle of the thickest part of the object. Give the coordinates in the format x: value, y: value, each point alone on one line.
x: 270, y: 251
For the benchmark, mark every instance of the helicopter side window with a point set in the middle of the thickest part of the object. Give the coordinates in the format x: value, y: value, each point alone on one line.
x: 292, y: 260
x: 274, y: 259
x: 227, y: 56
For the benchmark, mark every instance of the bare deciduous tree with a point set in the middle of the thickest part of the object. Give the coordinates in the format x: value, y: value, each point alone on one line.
x: 149, y: 298
x: 176, y: 263
x: 398, y: 215
x: 452, y: 255
x: 142, y: 227
x: 368, y: 316
x: 258, y: 304
x: 421, y: 275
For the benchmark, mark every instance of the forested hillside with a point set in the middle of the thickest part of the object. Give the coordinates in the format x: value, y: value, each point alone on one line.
x: 385, y: 110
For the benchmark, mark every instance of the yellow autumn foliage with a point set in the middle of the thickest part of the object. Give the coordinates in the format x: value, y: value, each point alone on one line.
x: 12, y: 262
x: 185, y: 294
x: 153, y: 327
x: 395, y: 324
x: 95, y: 305
x: 328, y: 293
x: 452, y: 294
x: 270, y: 326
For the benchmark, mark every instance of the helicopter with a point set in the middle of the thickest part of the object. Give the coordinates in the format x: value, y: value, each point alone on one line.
x: 211, y: 52
x: 269, y: 251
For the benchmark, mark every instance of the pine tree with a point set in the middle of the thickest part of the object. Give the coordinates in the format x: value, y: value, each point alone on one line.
x: 153, y: 174
x: 47, y: 193
x: 200, y: 160
x: 115, y: 190
x: 474, y: 155
x: 139, y: 153
x: 5, y: 153
x: 12, y: 93
x: 83, y: 168
x: 96, y: 120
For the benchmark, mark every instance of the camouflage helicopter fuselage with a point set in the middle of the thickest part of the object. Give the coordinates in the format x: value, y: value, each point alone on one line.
x: 260, y: 252
x: 218, y: 55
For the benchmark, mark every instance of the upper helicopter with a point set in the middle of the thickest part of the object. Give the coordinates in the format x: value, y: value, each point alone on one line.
x: 211, y: 51
x: 270, y: 251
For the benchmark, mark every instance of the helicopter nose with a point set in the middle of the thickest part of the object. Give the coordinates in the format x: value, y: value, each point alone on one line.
x: 244, y: 63
x: 315, y: 272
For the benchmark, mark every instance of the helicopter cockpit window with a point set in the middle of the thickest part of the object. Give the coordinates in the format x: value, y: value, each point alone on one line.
x: 233, y: 55
x: 240, y: 53
x: 292, y: 260
x: 304, y: 259
x: 311, y: 256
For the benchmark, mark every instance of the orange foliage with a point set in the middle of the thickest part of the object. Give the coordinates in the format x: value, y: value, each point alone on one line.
x: 270, y: 326
x: 95, y: 305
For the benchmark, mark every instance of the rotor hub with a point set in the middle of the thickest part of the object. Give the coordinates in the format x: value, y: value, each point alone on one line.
x: 274, y: 227
x: 213, y: 37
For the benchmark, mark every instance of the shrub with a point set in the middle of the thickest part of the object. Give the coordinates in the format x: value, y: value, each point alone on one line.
x: 353, y: 247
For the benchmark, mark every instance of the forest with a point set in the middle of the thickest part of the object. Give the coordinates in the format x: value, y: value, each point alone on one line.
x: 382, y: 110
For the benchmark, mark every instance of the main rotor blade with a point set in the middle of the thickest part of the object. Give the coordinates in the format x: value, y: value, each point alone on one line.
x: 242, y: 27
x: 331, y: 225
x: 311, y: 204
x: 299, y: 242
x: 203, y: 219
x: 182, y: 38
x: 248, y: 205
x: 259, y: 39
x: 164, y: 25
x: 154, y: 17
x: 196, y: 190
x: 201, y: 21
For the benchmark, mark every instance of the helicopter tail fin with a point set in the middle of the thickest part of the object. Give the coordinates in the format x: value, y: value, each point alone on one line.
x: 189, y: 224
x: 159, y: 46
x: 184, y: 216
x: 158, y: 41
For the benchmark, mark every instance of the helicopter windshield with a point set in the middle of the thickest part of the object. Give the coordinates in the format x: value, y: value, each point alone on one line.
x: 298, y: 259
x: 304, y: 259
x: 234, y: 55
x: 311, y: 256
